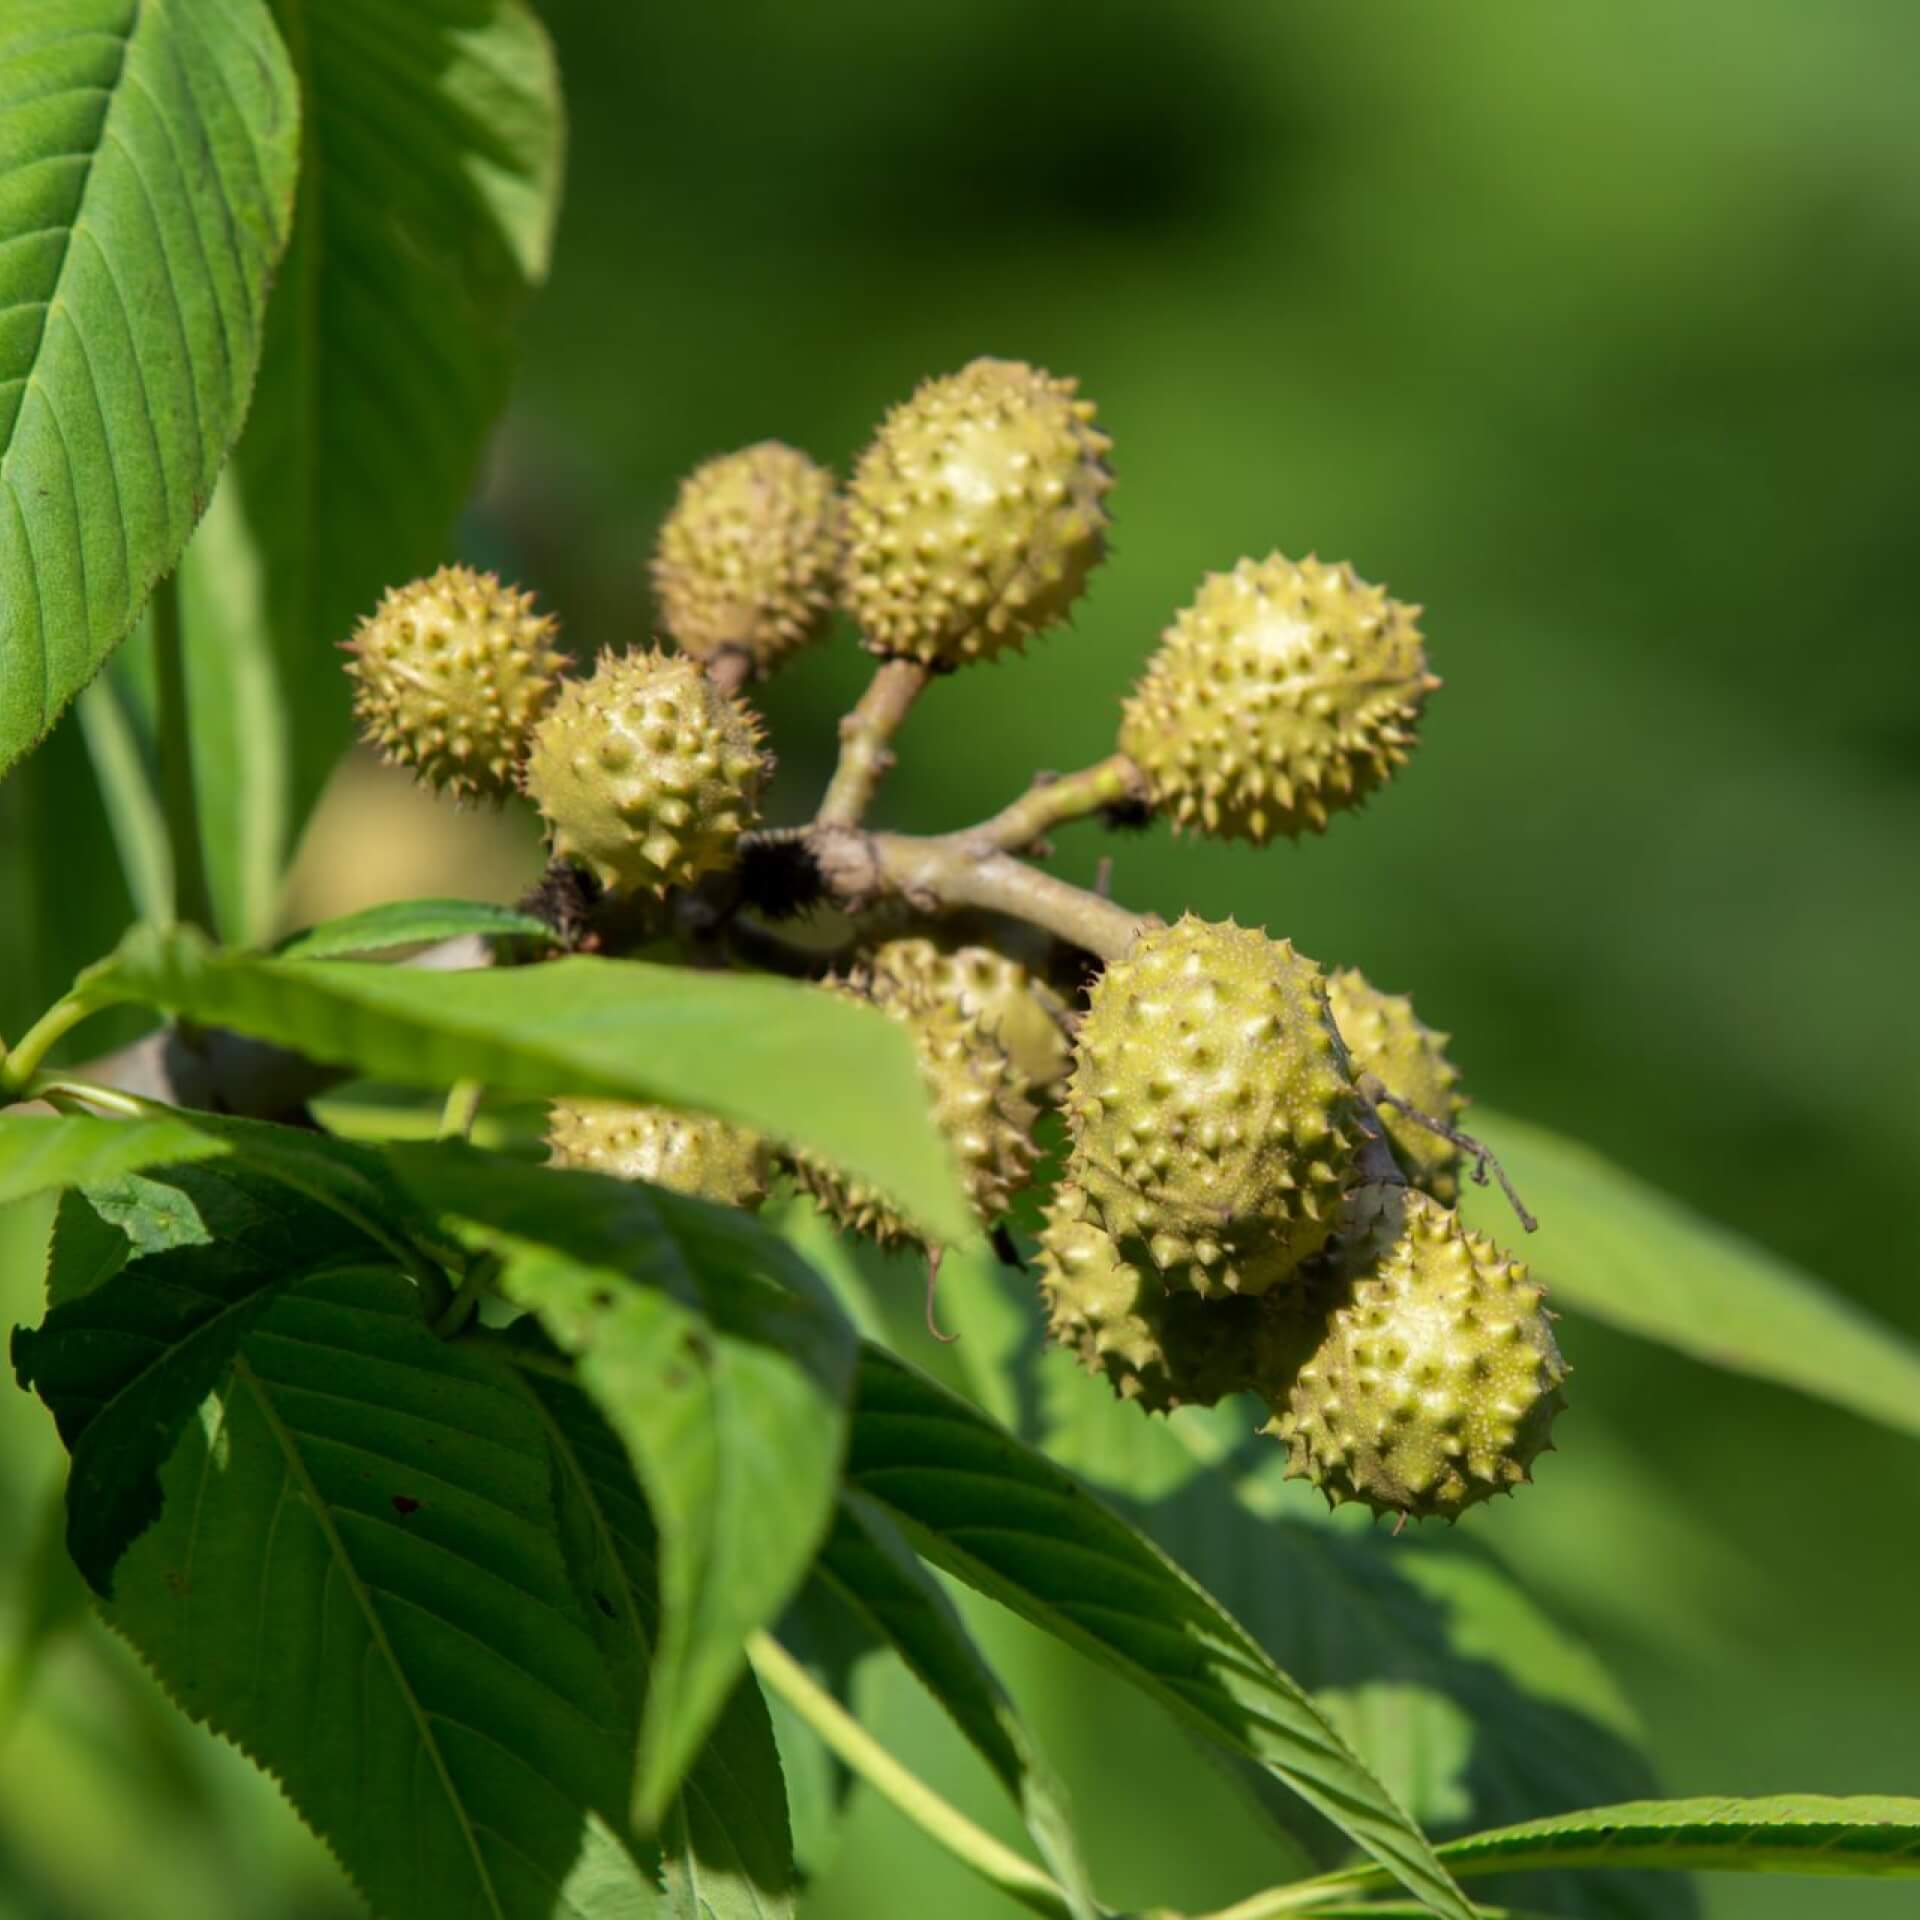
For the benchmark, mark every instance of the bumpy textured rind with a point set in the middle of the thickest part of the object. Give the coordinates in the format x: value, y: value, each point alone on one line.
x: 691, y: 1153
x: 450, y: 675
x: 647, y: 773
x: 1385, y: 1037
x: 749, y: 558
x: 976, y: 514
x: 1282, y: 694
x: 1161, y: 1347
x: 1439, y: 1377
x: 1213, y: 1114
x: 979, y: 1102
x: 1024, y: 1014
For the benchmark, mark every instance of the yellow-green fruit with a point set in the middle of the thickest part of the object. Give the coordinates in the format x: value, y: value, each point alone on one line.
x: 1213, y: 1116
x: 1162, y: 1347
x: 1385, y: 1037
x: 450, y: 674
x: 749, y: 558
x: 690, y: 1153
x: 976, y: 514
x: 647, y: 773
x: 1024, y: 1014
x: 979, y: 1103
x: 1439, y: 1378
x: 1282, y: 694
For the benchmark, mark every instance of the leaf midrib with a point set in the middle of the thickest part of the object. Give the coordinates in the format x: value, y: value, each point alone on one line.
x: 323, y: 1519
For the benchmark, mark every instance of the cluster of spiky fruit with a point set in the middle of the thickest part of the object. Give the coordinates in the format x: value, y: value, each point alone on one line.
x: 1261, y: 1158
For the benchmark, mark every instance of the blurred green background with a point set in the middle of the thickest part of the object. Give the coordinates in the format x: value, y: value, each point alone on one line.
x: 1596, y: 330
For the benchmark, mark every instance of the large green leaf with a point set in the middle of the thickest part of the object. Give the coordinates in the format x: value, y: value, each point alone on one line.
x: 723, y: 1368
x: 729, y: 1850
x: 429, y: 186
x: 1614, y: 1247
x: 775, y: 1055
x: 358, y: 1578
x: 147, y: 164
x: 978, y: 1502
x: 40, y: 1152
x: 123, y: 1364
x: 874, y: 1571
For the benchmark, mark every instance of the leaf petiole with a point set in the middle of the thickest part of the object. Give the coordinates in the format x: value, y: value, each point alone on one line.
x: 939, y: 1819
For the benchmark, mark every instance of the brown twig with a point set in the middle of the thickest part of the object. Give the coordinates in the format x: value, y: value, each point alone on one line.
x: 865, y: 755
x: 952, y: 871
x: 1056, y: 800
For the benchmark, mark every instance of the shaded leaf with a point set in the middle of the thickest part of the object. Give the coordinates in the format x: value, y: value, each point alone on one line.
x: 123, y: 1363
x: 713, y: 1355
x: 728, y: 1850
x: 357, y: 1578
x: 1613, y: 1246
x: 990, y: 1511
x: 147, y: 164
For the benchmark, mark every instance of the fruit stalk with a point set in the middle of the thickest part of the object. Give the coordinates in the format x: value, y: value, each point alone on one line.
x: 865, y: 756
x: 1057, y: 802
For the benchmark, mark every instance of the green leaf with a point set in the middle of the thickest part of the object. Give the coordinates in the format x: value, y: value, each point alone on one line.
x: 786, y: 1059
x: 980, y: 1504
x: 123, y: 1365
x: 1616, y: 1248
x: 728, y: 1849
x: 1866, y: 1836
x: 875, y: 1572
x: 429, y: 189
x: 411, y: 923
x: 357, y: 1577
x: 42, y: 1152
x: 130, y: 796
x: 147, y: 164
x: 723, y: 1368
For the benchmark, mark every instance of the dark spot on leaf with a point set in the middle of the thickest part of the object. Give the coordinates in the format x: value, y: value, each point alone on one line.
x: 695, y: 1347
x: 404, y: 1504
x: 601, y: 1601
x: 603, y: 1298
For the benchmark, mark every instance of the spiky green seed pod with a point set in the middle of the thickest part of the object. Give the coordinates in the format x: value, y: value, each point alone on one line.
x: 690, y: 1153
x: 979, y: 1103
x: 1024, y: 1014
x: 1385, y: 1037
x: 450, y: 674
x: 749, y: 558
x: 1282, y: 694
x: 1439, y: 1378
x: 1161, y: 1347
x: 647, y: 773
x: 976, y: 514
x: 1214, y: 1119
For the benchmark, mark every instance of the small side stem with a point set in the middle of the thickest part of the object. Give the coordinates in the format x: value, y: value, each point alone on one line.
x: 865, y: 755
x: 1000, y: 1866
x: 1056, y: 803
x: 730, y: 668
x: 193, y: 897
x: 34, y: 1045
x: 942, y: 874
x: 461, y: 1110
